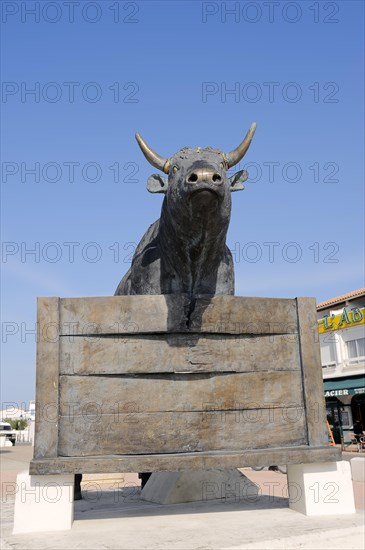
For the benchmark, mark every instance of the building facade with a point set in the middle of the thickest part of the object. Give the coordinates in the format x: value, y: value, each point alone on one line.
x: 341, y: 327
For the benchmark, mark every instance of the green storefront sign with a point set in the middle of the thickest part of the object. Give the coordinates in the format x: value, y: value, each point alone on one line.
x: 344, y: 386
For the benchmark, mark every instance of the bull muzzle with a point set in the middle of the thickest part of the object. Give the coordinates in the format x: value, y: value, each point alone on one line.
x: 204, y: 176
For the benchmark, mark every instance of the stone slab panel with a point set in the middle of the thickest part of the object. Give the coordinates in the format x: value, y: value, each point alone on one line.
x: 179, y: 432
x: 159, y: 353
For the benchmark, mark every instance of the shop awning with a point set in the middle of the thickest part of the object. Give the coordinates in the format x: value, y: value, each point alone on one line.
x: 344, y: 386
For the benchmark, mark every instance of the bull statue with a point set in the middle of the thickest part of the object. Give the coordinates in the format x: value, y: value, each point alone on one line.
x: 185, y: 250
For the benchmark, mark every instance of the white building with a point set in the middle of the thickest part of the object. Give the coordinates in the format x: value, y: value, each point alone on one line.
x: 13, y: 411
x: 341, y: 325
x: 18, y: 410
x: 31, y: 411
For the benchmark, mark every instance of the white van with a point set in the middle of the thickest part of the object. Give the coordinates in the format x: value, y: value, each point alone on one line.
x: 7, y: 431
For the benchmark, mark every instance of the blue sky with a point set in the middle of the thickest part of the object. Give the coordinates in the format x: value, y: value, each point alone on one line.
x: 166, y: 69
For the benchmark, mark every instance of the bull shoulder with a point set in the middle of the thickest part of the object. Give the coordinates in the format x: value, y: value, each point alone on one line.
x: 147, y: 239
x: 143, y: 277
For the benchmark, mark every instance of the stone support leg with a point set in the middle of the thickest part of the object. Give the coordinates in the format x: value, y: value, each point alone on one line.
x: 320, y: 489
x: 198, y: 485
x: 43, y: 503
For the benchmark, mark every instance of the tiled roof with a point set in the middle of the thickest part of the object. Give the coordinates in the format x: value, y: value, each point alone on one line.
x: 342, y: 298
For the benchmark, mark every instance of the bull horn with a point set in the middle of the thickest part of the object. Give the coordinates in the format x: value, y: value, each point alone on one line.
x: 237, y: 154
x: 153, y: 158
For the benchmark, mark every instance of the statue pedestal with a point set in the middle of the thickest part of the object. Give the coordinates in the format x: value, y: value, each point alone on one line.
x: 322, y: 489
x: 43, y: 503
x: 199, y: 485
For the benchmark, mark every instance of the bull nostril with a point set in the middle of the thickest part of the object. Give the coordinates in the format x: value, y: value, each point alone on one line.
x: 216, y: 178
x: 193, y: 178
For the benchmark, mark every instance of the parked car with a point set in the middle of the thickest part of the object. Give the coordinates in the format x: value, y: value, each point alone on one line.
x: 7, y: 430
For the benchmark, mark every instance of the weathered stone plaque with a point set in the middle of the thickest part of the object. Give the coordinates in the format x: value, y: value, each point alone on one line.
x: 160, y: 382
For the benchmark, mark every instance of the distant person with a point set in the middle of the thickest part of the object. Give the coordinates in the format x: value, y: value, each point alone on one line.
x: 357, y: 431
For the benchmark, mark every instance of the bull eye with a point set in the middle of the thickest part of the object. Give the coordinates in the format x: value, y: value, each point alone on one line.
x: 193, y: 178
x: 221, y: 165
x: 174, y: 169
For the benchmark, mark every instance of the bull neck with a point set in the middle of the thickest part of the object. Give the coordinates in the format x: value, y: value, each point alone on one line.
x: 179, y: 236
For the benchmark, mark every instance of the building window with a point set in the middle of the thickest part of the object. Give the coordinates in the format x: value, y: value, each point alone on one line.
x: 328, y: 354
x: 355, y: 349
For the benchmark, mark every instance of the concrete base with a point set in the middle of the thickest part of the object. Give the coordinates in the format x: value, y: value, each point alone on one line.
x: 321, y: 489
x: 198, y: 485
x: 43, y: 503
x: 358, y: 468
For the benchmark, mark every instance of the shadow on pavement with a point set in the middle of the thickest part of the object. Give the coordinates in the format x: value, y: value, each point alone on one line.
x: 128, y: 502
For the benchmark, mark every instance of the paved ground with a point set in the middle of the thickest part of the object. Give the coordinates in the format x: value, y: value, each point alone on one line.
x: 113, y: 516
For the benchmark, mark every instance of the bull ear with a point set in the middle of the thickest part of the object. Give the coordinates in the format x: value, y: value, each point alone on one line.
x: 236, y: 181
x: 157, y: 184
